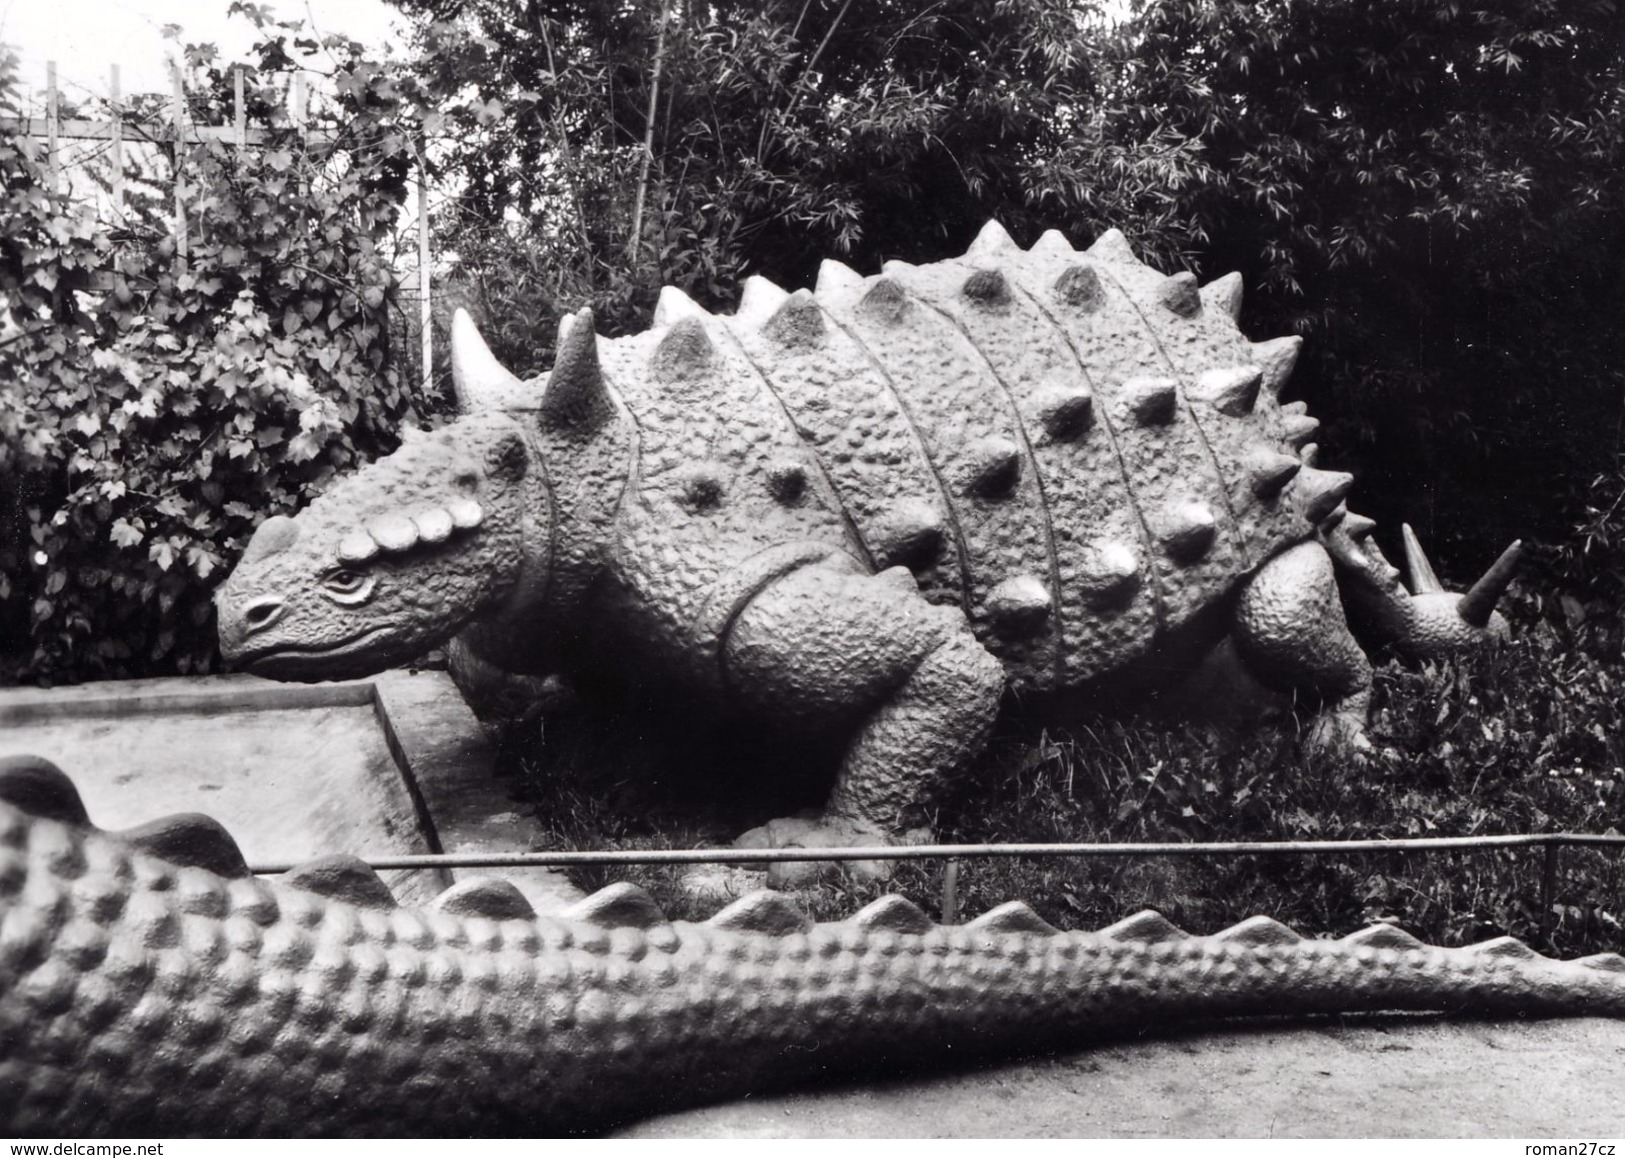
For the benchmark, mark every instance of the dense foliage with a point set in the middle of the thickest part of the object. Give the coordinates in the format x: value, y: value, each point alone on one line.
x: 156, y: 407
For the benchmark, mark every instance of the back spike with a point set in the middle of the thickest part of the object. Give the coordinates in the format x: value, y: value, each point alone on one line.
x: 576, y: 397
x: 1179, y: 295
x: 1322, y: 490
x: 895, y: 913
x: 1079, y: 286
x: 1258, y: 931
x: 673, y: 305
x: 685, y: 352
x: 1052, y: 243
x: 763, y: 911
x: 1112, y: 246
x: 1358, y: 527
x: 886, y: 300
x: 991, y: 241
x: 1509, y: 948
x: 39, y: 788
x: 489, y: 897
x: 1383, y: 936
x: 1232, y: 390
x: 760, y: 298
x: 477, y: 378
x: 1478, y: 604
x: 798, y: 323
x: 344, y: 878
x: 835, y: 279
x: 620, y: 906
x: 1146, y: 925
x: 1012, y: 917
x: 1223, y: 295
x: 1277, y: 357
x: 190, y: 838
x: 986, y: 287
x: 1417, y: 568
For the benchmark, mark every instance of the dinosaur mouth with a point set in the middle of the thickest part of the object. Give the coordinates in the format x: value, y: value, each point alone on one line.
x: 346, y: 659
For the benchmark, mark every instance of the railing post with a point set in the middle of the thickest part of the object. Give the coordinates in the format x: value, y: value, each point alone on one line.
x: 1548, y: 892
x: 950, y: 892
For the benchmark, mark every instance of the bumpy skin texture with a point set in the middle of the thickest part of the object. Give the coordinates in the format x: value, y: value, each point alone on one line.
x: 147, y: 983
x: 868, y: 510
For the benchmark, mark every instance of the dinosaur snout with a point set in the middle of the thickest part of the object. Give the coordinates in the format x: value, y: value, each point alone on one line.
x: 240, y: 622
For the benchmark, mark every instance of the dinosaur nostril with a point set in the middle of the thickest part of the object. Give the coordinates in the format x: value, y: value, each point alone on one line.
x: 261, y: 613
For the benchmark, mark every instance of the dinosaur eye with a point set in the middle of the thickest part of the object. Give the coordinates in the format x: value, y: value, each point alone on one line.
x: 347, y: 585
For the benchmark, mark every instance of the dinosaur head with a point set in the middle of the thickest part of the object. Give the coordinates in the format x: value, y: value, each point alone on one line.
x: 1423, y: 621
x: 389, y: 562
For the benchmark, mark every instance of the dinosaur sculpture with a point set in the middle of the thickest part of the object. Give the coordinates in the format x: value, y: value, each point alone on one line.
x: 149, y: 983
x: 871, y: 510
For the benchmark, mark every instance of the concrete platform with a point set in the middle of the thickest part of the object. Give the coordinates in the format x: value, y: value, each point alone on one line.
x: 1376, y: 1077
x: 389, y: 765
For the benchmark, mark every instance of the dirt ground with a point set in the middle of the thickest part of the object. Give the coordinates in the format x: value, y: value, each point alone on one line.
x: 1360, y: 1077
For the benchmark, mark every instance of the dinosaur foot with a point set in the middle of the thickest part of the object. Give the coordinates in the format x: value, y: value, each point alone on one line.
x: 1340, y: 735
x: 819, y: 832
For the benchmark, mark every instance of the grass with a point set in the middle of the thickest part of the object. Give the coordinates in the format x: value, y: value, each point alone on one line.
x: 1525, y: 738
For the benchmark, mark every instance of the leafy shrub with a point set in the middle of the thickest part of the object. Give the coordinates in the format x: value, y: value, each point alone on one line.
x: 159, y: 406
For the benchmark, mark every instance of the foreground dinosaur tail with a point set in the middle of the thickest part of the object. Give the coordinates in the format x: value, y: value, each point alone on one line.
x: 147, y: 981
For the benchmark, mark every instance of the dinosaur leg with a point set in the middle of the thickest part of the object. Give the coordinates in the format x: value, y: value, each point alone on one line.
x: 918, y: 691
x: 1290, y: 634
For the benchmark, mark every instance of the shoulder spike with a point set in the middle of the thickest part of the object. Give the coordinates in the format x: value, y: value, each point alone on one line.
x: 1322, y: 491
x: 1223, y: 295
x: 1269, y: 471
x: 835, y: 279
x: 1187, y: 531
x: 1152, y: 401
x: 987, y: 287
x: 1112, y: 246
x: 1358, y: 527
x: 1146, y: 925
x: 991, y: 241
x: 1019, y: 605
x: 38, y: 787
x: 394, y: 533
x: 763, y: 911
x: 576, y: 396
x: 759, y: 299
x: 685, y: 352
x: 1232, y: 391
x: 1509, y: 948
x: 1179, y: 295
x: 1012, y: 917
x: 1476, y: 607
x: 898, y: 914
x: 912, y: 531
x: 1079, y: 286
x: 1066, y: 412
x: 1417, y: 568
x: 674, y: 305
x: 995, y: 465
x: 1294, y: 408
x: 189, y: 838
x: 1052, y: 243
x: 1111, y: 574
x: 1277, y: 357
x: 1310, y: 454
x: 477, y: 378
x: 798, y: 323
x: 1258, y: 931
x: 343, y: 878
x: 1383, y: 936
x: 886, y: 301
x: 490, y: 897
x: 620, y: 906
x: 1298, y: 429
x: 1607, y: 962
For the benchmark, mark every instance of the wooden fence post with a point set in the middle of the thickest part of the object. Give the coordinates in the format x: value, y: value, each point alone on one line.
x: 52, y: 128
x: 178, y: 111
x: 117, y: 102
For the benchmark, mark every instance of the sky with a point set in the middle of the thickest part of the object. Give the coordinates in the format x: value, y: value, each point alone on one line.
x: 84, y: 37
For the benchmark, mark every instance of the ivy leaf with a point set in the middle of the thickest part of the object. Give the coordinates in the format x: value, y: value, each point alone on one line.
x: 125, y: 534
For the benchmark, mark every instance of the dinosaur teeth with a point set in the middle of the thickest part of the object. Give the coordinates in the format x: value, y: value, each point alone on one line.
x: 1112, y: 246
x: 1277, y: 357
x: 987, y: 287
x: 394, y: 533
x: 1476, y: 607
x: 1179, y: 295
x: 1151, y: 401
x: 38, y: 787
x: 1232, y: 391
x: 343, y: 878
x: 1507, y: 948
x: 763, y: 911
x: 1079, y: 286
x: 1019, y: 605
x: 576, y: 397
x: 465, y: 514
x: 1147, y: 925
x: 1111, y: 574
x: 991, y: 241
x: 836, y: 279
x: 1322, y: 491
x: 798, y: 323
x: 787, y: 481
x: 620, y: 906
x: 1052, y: 243
x: 685, y: 353
x: 1297, y: 429
x: 673, y: 305
x: 433, y: 527
x: 1383, y: 937
x: 477, y: 378
x: 357, y: 547
x: 1066, y: 412
x: 759, y: 299
x: 1268, y: 472
x: 1187, y: 531
x: 1259, y: 931
x: 886, y: 301
x: 1223, y: 295
x: 1012, y: 917
x: 895, y: 913
x: 488, y: 897
x: 1418, y: 570
x: 995, y: 467
x: 912, y: 531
